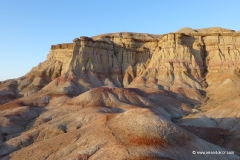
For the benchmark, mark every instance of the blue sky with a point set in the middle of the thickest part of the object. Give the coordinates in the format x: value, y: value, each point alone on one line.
x: 28, y: 28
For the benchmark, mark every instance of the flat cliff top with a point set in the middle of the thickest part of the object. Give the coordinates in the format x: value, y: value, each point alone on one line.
x: 147, y: 36
x: 205, y: 30
x: 212, y: 31
x: 130, y: 35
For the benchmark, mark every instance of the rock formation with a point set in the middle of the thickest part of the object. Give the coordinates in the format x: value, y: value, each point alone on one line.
x: 127, y: 96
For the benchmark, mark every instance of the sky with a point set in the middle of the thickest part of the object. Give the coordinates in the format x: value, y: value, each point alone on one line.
x: 28, y: 28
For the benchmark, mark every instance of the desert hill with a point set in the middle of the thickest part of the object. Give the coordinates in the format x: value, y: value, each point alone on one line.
x: 127, y: 96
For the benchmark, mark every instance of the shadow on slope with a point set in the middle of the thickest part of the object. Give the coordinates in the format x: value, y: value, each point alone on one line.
x: 106, y: 117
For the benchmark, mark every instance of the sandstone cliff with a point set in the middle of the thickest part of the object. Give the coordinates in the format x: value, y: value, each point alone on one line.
x: 137, y: 91
x: 128, y: 59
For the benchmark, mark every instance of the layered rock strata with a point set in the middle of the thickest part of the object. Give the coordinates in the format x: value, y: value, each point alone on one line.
x: 164, y: 61
x: 147, y: 96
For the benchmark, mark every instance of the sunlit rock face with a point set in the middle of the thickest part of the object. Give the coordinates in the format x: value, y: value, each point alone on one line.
x: 185, y: 59
x: 127, y: 96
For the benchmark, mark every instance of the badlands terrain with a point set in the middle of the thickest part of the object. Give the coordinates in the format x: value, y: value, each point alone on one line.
x: 127, y: 96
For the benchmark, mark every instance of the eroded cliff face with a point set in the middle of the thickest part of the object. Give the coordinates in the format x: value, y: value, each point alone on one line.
x: 135, y: 88
x: 186, y: 59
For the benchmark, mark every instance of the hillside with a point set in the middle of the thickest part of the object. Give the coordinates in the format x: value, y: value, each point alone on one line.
x: 127, y: 96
